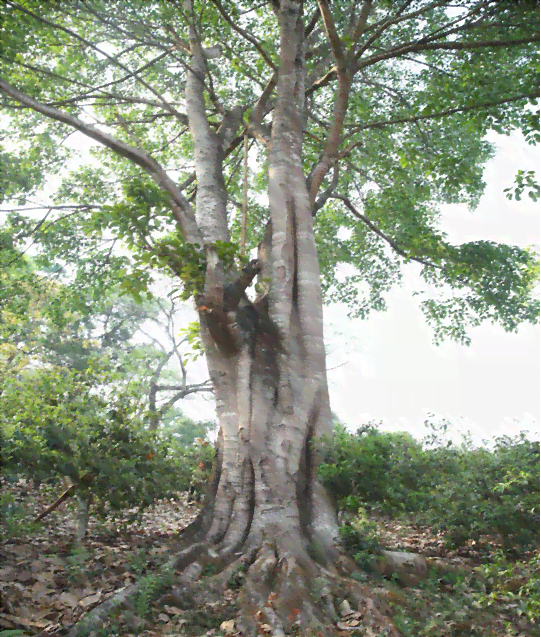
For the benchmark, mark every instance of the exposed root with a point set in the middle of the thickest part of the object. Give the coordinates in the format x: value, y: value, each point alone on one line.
x: 124, y: 597
x: 294, y: 595
x: 281, y: 594
x: 97, y: 617
x: 294, y: 582
x: 237, y: 568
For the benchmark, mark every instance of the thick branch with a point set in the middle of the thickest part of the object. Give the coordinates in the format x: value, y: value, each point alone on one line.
x: 340, y: 107
x: 179, y: 205
x: 236, y: 290
x: 333, y: 37
x: 211, y: 199
x: 261, y: 108
x: 359, y: 27
x: 334, y: 135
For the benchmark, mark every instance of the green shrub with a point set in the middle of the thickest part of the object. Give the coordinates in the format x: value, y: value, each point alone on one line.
x: 55, y: 425
x: 463, y: 491
x: 514, y: 584
x: 383, y: 470
x: 487, y: 491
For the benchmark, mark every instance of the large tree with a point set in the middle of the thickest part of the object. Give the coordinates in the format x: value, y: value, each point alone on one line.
x: 358, y: 119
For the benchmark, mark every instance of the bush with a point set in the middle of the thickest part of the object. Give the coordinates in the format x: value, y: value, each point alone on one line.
x: 488, y: 492
x: 379, y: 470
x: 54, y: 425
x: 463, y: 491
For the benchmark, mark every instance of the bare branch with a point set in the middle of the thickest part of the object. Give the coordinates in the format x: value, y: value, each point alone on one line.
x: 312, y: 24
x: 189, y: 389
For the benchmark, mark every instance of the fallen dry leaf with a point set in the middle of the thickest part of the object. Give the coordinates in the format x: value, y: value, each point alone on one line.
x: 228, y: 626
x: 89, y: 600
x: 172, y: 610
x: 69, y: 599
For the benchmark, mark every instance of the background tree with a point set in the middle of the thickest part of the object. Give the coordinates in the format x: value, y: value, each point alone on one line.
x: 51, y: 318
x: 361, y: 119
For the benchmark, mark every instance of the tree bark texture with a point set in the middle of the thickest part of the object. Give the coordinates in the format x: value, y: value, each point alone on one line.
x: 272, y: 402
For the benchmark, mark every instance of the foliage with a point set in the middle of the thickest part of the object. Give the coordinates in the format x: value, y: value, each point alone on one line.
x: 54, y: 425
x: 444, y: 604
x: 371, y: 467
x: 525, y: 179
x: 185, y: 431
x: 514, y: 583
x: 361, y: 541
x: 481, y: 492
x: 413, y: 138
x: 463, y: 491
x: 14, y: 517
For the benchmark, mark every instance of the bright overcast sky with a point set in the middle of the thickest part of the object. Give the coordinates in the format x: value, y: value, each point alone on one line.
x: 389, y: 369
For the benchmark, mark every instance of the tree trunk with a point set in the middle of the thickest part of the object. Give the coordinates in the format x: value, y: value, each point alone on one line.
x: 266, y: 511
x: 266, y: 514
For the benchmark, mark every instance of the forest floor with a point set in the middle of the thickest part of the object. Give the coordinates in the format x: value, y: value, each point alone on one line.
x: 48, y: 582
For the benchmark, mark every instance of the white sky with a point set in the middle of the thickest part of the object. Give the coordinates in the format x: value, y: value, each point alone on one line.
x: 393, y: 372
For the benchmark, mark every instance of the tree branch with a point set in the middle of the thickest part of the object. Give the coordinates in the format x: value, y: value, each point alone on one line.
x: 333, y: 37
x: 381, y: 234
x: 156, y: 414
x: 322, y: 199
x: 359, y: 27
x: 111, y: 58
x: 385, y: 24
x: 450, y: 111
x: 312, y: 24
x: 457, y: 46
x: 244, y: 34
x: 340, y: 106
x: 180, y: 207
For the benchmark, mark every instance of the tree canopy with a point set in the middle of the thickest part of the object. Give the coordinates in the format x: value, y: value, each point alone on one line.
x: 398, y: 104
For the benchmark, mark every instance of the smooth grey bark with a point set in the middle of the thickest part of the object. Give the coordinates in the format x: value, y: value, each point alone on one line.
x: 270, y: 414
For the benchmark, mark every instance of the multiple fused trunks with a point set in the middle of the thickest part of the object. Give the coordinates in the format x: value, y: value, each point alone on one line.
x: 240, y: 321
